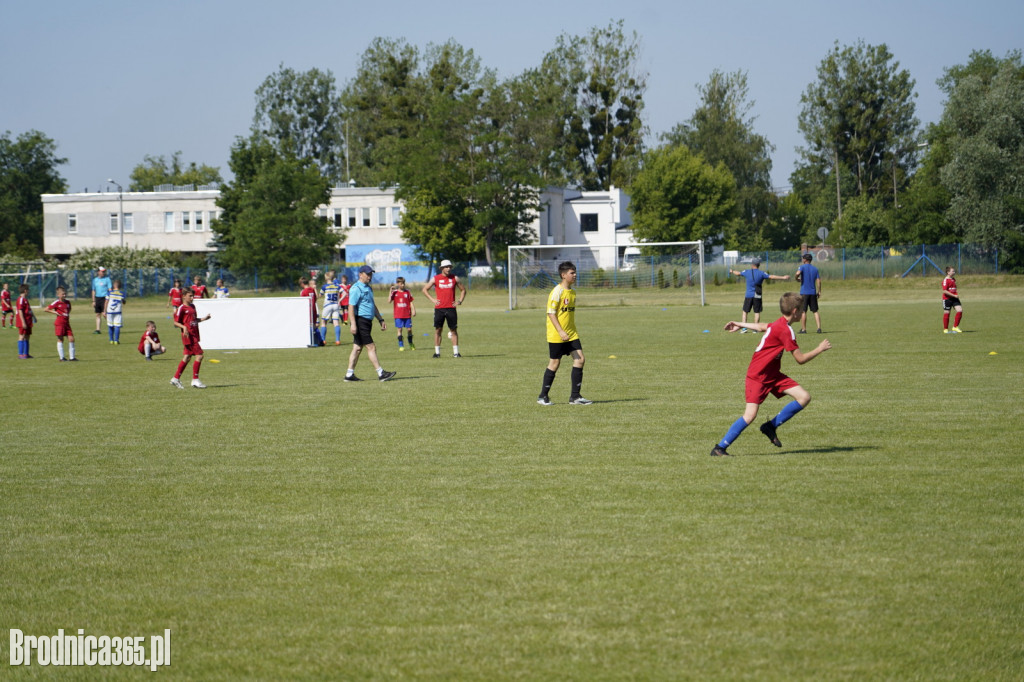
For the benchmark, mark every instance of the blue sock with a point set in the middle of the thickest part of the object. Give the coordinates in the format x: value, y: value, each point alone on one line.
x: 117, y: 333
x: 337, y: 332
x: 734, y: 432
x: 21, y: 347
x: 786, y: 413
x: 110, y: 333
x: 26, y: 348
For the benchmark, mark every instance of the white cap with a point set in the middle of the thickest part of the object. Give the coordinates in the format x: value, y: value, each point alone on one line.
x: 446, y: 263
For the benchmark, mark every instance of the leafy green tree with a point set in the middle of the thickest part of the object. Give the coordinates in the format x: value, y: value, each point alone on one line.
x: 440, y: 228
x: 28, y: 168
x: 269, y: 221
x: 156, y: 170
x: 985, y: 115
x: 722, y: 130
x: 301, y: 113
x: 678, y: 196
x: 603, y: 135
x: 859, y: 122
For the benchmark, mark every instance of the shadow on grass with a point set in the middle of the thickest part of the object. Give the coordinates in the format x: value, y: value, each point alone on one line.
x: 824, y: 450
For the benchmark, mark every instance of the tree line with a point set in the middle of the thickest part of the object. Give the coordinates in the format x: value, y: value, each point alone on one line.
x: 468, y: 151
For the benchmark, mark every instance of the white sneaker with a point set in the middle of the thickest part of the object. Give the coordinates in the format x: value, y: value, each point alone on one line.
x: 175, y: 382
x: 196, y: 383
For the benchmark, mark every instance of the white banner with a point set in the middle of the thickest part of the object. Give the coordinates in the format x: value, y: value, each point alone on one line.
x: 244, y: 323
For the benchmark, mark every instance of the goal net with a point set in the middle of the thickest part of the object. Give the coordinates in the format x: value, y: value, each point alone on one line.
x: 612, y: 274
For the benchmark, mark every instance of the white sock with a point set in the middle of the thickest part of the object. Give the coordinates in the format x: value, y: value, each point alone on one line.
x: 437, y: 349
x: 350, y: 372
x: 71, y: 349
x: 455, y: 350
x: 380, y: 371
x: 60, y: 349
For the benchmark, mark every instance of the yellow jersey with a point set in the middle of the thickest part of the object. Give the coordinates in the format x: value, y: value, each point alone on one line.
x: 562, y: 304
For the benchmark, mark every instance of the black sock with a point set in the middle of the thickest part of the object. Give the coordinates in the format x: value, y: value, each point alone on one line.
x: 410, y: 338
x: 577, y: 382
x: 549, y: 378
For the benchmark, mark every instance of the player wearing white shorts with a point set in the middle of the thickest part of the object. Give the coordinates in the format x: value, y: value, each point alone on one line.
x: 331, y: 291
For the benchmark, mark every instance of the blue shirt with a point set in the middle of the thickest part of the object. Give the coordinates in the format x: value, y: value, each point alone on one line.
x: 361, y: 297
x: 101, y: 286
x: 754, y: 278
x: 808, y: 275
x: 331, y: 290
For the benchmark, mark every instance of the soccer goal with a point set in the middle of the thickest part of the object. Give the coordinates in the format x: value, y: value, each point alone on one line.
x: 42, y: 283
x: 612, y: 274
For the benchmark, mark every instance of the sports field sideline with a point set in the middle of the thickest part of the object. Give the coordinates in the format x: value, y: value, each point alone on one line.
x: 285, y: 525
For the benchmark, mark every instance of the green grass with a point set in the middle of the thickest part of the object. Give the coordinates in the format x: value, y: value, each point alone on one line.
x: 443, y: 526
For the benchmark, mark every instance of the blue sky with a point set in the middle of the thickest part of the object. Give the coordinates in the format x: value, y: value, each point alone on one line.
x: 112, y: 81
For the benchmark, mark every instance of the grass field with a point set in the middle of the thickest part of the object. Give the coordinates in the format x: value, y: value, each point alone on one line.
x: 286, y: 525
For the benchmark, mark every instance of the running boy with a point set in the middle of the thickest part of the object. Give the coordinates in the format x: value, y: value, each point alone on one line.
x: 23, y: 319
x: 5, y: 305
x: 187, y: 320
x: 115, y: 307
x: 764, y: 375
x: 405, y: 310
x: 149, y: 344
x: 62, y: 324
x: 950, y: 301
x: 562, y: 336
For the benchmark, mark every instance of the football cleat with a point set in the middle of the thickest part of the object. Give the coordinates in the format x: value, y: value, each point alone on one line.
x: 768, y: 429
x: 387, y: 375
x: 543, y: 400
x: 176, y: 382
x: 352, y: 377
x: 580, y: 400
x: 196, y: 383
x: 719, y: 451
x: 957, y: 330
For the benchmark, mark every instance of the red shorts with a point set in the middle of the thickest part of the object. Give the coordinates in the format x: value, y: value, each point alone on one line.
x: 758, y: 389
x: 62, y: 327
x: 25, y: 331
x: 192, y: 348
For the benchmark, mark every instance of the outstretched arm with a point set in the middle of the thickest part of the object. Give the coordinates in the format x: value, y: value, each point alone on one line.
x: 734, y: 326
x: 802, y: 358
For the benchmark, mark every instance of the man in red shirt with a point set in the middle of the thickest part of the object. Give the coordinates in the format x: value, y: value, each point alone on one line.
x: 62, y: 325
x: 764, y: 375
x: 187, y: 320
x: 444, y: 306
x: 950, y: 301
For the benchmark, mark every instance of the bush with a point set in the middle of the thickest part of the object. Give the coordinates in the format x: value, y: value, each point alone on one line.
x: 118, y: 257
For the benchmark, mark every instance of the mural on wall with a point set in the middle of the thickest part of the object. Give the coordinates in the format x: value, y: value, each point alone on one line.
x: 389, y: 261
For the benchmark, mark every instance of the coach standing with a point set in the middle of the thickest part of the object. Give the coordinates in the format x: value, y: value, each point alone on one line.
x: 362, y: 310
x: 100, y: 288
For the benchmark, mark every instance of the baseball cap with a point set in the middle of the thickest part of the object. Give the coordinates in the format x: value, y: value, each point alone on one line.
x: 756, y: 261
x: 367, y: 269
x: 446, y: 263
x: 102, y: 269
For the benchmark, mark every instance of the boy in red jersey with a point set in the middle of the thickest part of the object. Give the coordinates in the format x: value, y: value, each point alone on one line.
x: 950, y: 301
x: 23, y: 319
x: 174, y: 296
x: 343, y: 298
x: 764, y: 374
x: 62, y: 325
x: 188, y: 321
x: 198, y: 288
x: 405, y: 310
x: 149, y: 344
x: 309, y: 291
x: 5, y: 305
x: 444, y: 306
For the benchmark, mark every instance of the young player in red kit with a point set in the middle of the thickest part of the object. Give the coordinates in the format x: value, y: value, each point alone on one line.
x: 174, y: 296
x: 198, y: 288
x: 5, y: 305
x: 188, y: 321
x: 62, y: 325
x: 149, y: 344
x: 444, y: 306
x: 23, y: 319
x: 405, y: 310
x: 950, y: 301
x: 309, y: 291
x: 343, y: 297
x: 764, y: 375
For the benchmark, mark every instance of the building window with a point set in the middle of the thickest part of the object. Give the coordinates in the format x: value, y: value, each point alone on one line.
x: 396, y: 215
x: 113, y: 222
x: 351, y: 217
x: 366, y: 217
x: 186, y: 221
x: 382, y: 217
x: 338, y: 219
x: 129, y: 223
x: 72, y: 223
x: 322, y: 212
x: 588, y: 222
x: 168, y: 222
x: 199, y: 221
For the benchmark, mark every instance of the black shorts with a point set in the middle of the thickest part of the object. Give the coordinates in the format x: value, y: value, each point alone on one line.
x: 100, y: 305
x: 557, y: 350
x: 364, y: 325
x: 755, y: 303
x: 449, y: 315
x: 810, y: 303
x: 950, y: 303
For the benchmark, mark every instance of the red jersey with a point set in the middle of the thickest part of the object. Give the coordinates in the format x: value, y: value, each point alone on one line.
x: 62, y: 324
x: 175, y: 296
x: 186, y: 315
x: 402, y: 300
x: 767, y: 361
x: 949, y: 288
x: 5, y: 301
x: 24, y: 319
x: 199, y: 290
x: 153, y: 337
x: 445, y: 287
x: 343, y: 295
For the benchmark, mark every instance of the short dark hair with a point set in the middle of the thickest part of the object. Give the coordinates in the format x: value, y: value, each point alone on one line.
x: 565, y: 266
x: 808, y: 256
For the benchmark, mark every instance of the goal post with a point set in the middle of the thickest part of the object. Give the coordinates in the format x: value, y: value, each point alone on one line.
x: 612, y: 274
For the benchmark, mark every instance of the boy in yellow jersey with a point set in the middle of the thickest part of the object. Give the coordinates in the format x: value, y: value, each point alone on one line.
x: 562, y: 336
